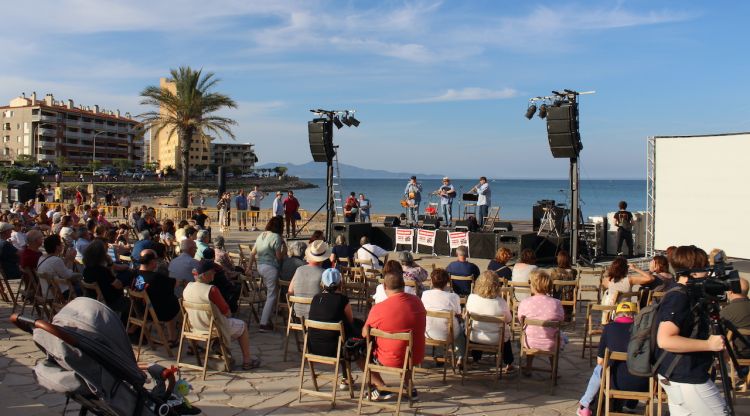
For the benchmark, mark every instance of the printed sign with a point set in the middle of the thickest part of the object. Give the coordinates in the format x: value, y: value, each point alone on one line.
x: 456, y: 239
x: 404, y: 236
x: 426, y: 237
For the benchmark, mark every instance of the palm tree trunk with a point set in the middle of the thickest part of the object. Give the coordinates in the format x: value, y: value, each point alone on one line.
x: 185, y: 138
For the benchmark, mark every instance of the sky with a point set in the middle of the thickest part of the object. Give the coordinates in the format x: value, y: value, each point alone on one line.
x: 439, y: 86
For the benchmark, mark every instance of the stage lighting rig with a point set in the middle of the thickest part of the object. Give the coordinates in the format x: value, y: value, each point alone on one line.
x: 543, y: 111
x: 337, y: 122
x: 530, y: 111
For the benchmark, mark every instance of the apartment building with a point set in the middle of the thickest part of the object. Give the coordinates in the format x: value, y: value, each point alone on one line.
x: 51, y: 130
x: 234, y: 155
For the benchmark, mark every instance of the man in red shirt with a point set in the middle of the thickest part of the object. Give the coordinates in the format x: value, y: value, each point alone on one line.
x: 291, y: 211
x: 400, y: 312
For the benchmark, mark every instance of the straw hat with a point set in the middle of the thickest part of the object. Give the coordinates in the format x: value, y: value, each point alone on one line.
x: 317, y: 251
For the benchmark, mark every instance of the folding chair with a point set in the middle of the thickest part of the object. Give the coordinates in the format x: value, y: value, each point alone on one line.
x: 589, y: 284
x: 294, y: 323
x: 33, y: 296
x: 282, y: 308
x: 654, y: 297
x: 336, y: 362
x: 53, y: 295
x: 740, y: 361
x: 95, y: 289
x: 469, y: 279
x: 6, y: 292
x: 607, y: 392
x: 590, y: 329
x: 447, y: 345
x: 193, y: 335
x: 357, y: 287
x: 628, y: 297
x: 143, y: 315
x: 404, y: 373
x: 518, y: 288
x: 496, y: 349
x: 534, y: 352
x: 253, y: 296
x: 568, y: 290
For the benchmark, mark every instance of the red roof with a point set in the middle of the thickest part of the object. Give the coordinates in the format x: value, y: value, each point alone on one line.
x: 64, y: 108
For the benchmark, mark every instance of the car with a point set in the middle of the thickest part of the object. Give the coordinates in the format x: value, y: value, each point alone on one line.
x: 106, y: 172
x: 38, y: 170
x: 230, y: 175
x: 248, y: 175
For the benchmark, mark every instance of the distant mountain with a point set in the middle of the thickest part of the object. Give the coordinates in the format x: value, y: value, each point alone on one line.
x: 318, y: 170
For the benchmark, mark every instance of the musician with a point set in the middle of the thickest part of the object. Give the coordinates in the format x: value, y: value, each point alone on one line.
x: 364, y: 208
x: 413, y: 194
x: 624, y: 222
x: 483, y: 203
x: 447, y: 192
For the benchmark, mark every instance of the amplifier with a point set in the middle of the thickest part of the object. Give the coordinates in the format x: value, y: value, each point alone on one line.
x: 515, y: 241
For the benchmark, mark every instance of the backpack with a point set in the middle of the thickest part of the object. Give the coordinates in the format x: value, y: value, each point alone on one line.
x: 642, y: 344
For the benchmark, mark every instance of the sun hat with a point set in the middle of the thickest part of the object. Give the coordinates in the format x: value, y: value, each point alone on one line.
x: 317, y: 251
x: 331, y: 277
x: 626, y: 307
x: 4, y: 226
x: 446, y: 178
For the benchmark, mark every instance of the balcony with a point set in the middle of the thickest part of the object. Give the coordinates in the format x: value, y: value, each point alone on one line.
x: 47, y: 132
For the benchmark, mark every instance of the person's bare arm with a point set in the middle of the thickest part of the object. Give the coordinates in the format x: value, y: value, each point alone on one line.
x: 642, y: 277
x: 605, y: 283
x: 668, y: 338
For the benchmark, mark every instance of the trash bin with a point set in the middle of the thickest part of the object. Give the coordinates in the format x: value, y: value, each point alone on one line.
x: 20, y: 191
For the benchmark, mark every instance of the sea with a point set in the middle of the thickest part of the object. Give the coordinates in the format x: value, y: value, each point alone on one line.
x: 515, y: 197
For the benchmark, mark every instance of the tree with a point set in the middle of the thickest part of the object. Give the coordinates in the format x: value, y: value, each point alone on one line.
x: 152, y: 166
x: 61, y: 162
x: 94, y: 165
x: 280, y: 170
x: 25, y: 160
x: 122, y: 164
x: 188, y: 113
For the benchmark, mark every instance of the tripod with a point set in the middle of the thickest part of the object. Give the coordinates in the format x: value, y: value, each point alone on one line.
x: 548, y: 225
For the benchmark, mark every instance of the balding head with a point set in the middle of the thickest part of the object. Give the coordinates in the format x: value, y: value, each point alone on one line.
x: 148, y: 259
x: 34, y: 239
x: 188, y: 247
x: 393, y: 283
x: 744, y: 286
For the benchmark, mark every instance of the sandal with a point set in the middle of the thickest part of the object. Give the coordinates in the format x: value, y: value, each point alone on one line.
x: 254, y: 363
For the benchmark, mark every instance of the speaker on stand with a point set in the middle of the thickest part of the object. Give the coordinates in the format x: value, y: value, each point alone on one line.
x: 222, y: 177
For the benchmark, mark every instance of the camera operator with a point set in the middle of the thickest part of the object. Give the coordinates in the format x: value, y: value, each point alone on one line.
x: 684, y: 371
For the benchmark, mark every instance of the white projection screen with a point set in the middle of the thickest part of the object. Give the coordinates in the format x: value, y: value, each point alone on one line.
x: 702, y: 192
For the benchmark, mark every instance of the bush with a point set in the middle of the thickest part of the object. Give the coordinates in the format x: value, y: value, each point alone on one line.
x: 12, y: 174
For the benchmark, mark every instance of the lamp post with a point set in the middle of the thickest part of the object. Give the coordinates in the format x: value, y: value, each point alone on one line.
x: 93, y: 158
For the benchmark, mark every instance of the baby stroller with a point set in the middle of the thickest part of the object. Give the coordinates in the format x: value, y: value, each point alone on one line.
x: 90, y: 360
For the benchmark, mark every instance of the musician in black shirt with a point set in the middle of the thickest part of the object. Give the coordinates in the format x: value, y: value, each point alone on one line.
x: 624, y: 223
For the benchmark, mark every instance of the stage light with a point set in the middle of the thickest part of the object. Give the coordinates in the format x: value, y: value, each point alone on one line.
x: 354, y: 121
x: 337, y: 122
x: 530, y: 111
x: 543, y: 111
x: 345, y: 120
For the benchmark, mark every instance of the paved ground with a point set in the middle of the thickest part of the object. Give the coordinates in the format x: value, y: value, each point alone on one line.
x: 272, y: 389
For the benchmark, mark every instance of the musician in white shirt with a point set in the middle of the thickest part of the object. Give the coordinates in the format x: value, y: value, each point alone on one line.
x: 484, y: 201
x: 254, y: 198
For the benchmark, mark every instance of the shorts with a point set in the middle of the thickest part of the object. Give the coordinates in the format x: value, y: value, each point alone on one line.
x: 236, y: 327
x: 254, y: 208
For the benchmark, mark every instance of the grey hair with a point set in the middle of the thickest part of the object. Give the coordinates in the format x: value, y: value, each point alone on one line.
x: 405, y: 257
x: 461, y: 251
x: 201, y: 234
x: 297, y: 249
x: 219, y: 242
x: 186, y: 244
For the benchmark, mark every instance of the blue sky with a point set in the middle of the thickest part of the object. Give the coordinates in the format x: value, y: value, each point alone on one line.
x: 440, y: 87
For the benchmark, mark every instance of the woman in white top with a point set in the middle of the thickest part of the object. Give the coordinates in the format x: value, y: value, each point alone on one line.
x: 439, y: 299
x: 486, y: 301
x: 52, y: 265
x: 521, y: 270
x: 391, y: 266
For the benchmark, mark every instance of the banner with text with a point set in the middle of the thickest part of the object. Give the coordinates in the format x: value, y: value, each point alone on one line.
x: 426, y: 237
x: 404, y: 236
x: 458, y: 238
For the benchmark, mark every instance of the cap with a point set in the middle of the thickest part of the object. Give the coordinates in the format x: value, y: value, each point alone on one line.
x: 205, y: 266
x: 331, y: 277
x: 626, y: 307
x: 413, y: 177
x: 4, y: 226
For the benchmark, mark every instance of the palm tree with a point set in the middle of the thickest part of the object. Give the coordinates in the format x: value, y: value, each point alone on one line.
x: 188, y: 112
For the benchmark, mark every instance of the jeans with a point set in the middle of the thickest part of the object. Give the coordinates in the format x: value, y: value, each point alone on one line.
x: 694, y: 399
x: 241, y: 218
x: 446, y: 210
x: 593, y: 386
x: 483, y: 210
x: 270, y: 275
x: 627, y: 237
x: 364, y: 216
x: 412, y: 213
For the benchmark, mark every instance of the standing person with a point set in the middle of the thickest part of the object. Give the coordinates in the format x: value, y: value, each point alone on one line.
x: 278, y: 205
x: 254, y: 198
x: 351, y: 208
x: 108, y: 198
x: 79, y: 197
x: 125, y: 204
x: 364, y: 208
x: 413, y: 193
x: 291, y: 214
x: 685, y: 336
x: 447, y: 192
x: 624, y: 222
x: 268, y: 252
x: 241, y: 204
x: 202, y: 200
x: 484, y: 201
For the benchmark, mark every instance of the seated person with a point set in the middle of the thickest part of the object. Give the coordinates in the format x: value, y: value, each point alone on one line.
x: 486, y: 301
x: 412, y: 272
x: 306, y: 280
x: 400, y: 312
x: 295, y: 259
x: 462, y: 267
x: 341, y: 252
x: 440, y: 299
x: 615, y: 281
x: 543, y: 307
x: 737, y: 311
x: 615, y: 336
x: 9, y: 260
x: 564, y: 271
x: 97, y: 270
x: 160, y: 289
x: 499, y: 264
x: 521, y: 270
x: 52, y: 265
x: 230, y: 290
x: 201, y: 291
x: 368, y: 251
x: 391, y: 266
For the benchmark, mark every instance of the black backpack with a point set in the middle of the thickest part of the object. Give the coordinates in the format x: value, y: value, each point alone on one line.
x: 641, y: 359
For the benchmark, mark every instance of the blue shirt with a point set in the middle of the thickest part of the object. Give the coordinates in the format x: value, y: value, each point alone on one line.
x: 484, y: 194
x: 241, y: 202
x: 139, y: 246
x: 447, y: 199
x: 462, y: 268
x: 415, y: 189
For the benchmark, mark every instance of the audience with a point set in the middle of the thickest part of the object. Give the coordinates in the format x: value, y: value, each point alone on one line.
x: 53, y: 266
x: 268, y: 252
x: 202, y: 241
x: 8, y: 253
x: 486, y: 301
x: 616, y: 281
x: 412, y: 272
x: 30, y: 255
x: 144, y: 243
x: 294, y: 260
x: 543, y: 307
x: 341, y: 252
x: 181, y: 267
x: 160, y: 289
x: 391, y: 266
x: 737, y: 312
x: 306, y: 280
x: 440, y: 299
x: 331, y: 305
x: 97, y: 270
x: 369, y: 251
x: 522, y: 270
x: 565, y: 272
x: 462, y: 267
x: 499, y: 264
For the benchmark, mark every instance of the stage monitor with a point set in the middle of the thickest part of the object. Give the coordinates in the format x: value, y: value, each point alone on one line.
x: 701, y: 192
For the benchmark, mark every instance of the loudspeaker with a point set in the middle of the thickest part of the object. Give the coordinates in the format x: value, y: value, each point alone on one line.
x: 320, y: 133
x: 391, y: 221
x: 515, y: 241
x: 352, y: 231
x: 461, y: 225
x: 383, y: 237
x: 222, y: 177
x: 431, y: 223
x: 562, y: 130
x: 502, y: 226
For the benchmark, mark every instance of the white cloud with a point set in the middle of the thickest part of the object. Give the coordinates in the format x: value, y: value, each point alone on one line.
x: 468, y: 94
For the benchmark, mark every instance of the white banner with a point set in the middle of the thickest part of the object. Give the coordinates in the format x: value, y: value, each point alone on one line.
x: 426, y: 237
x: 458, y: 238
x: 404, y: 236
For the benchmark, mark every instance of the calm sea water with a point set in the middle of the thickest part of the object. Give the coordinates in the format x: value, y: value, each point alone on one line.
x: 515, y: 196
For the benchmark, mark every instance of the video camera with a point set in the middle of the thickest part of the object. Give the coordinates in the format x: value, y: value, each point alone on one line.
x: 720, y: 279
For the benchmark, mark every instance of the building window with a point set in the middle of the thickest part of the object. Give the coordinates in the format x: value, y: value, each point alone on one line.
x: 18, y: 151
x: 6, y: 151
x: 6, y: 139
